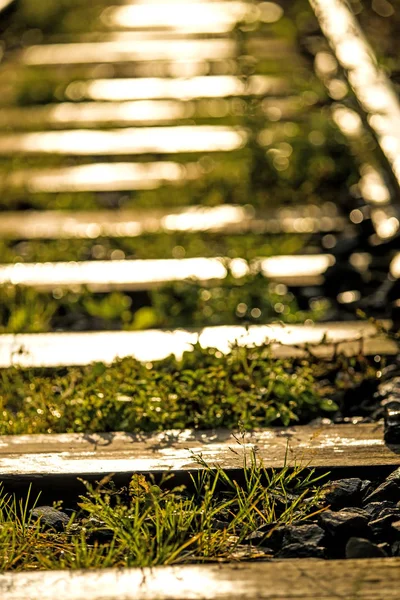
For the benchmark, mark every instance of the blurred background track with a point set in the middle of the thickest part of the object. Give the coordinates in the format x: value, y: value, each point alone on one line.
x: 156, y: 130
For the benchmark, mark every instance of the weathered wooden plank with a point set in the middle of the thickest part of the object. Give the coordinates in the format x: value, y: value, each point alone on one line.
x: 58, y: 349
x: 121, y: 51
x: 88, y: 114
x: 131, y: 112
x: 138, y: 274
x: 129, y: 47
x: 227, y: 218
x: 54, y: 465
x: 117, y: 142
x: 198, y: 17
x: 101, y: 177
x: 331, y: 446
x: 163, y: 88
x: 369, y: 579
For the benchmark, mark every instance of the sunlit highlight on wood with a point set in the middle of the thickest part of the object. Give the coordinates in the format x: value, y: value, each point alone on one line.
x: 165, y: 140
x: 124, y: 51
x: 117, y: 223
x: 193, y: 17
x: 102, y: 177
x: 56, y: 349
x: 142, y: 274
x: 210, y: 86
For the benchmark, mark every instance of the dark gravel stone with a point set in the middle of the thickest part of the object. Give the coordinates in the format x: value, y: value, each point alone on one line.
x: 302, y: 551
x: 101, y: 536
x: 365, y: 487
x: 344, y: 523
x: 343, y: 492
x: 385, y: 546
x: 396, y: 548
x: 394, y: 512
x: 356, y: 510
x: 271, y: 535
x: 275, y: 537
x: 388, y: 490
x: 303, y: 534
x: 382, y: 526
x: 218, y: 524
x: 374, y: 509
x: 392, y: 422
x: 50, y: 518
x: 361, y: 548
x: 255, y: 537
x: 96, y: 531
x: 389, y: 372
x: 396, y: 529
x: 390, y: 387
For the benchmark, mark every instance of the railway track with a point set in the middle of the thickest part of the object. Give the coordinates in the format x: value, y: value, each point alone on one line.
x: 207, y: 120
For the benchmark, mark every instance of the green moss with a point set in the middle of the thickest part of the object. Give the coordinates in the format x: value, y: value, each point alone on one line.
x: 26, y: 22
x: 203, y: 390
x: 249, y: 299
x: 151, y: 246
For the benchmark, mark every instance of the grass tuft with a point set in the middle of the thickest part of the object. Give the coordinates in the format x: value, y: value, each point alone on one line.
x: 149, y: 524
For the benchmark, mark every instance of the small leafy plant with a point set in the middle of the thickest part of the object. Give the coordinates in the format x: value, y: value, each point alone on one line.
x: 204, y: 389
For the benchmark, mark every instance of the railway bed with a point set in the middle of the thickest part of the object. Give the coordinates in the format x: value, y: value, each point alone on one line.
x: 123, y: 122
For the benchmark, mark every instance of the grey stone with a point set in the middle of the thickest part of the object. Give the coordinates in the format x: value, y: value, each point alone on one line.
x: 101, y: 536
x: 361, y: 548
x: 396, y: 529
x: 50, y: 517
x: 303, y: 534
x: 343, y: 492
x: 385, y: 546
x: 388, y: 511
x: 365, y: 486
x: 390, y: 372
x: 271, y: 535
x: 390, y: 387
x: 396, y: 548
x: 388, y: 490
x: 344, y: 523
x: 374, y: 509
x: 96, y: 531
x: 382, y: 526
x: 255, y: 537
x: 356, y: 510
x: 301, y: 551
x: 392, y: 422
